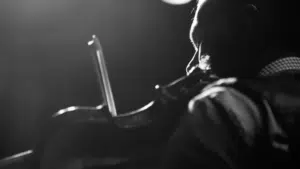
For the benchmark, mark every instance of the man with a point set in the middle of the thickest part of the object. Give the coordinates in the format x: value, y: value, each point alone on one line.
x: 237, y: 123
x: 250, y: 121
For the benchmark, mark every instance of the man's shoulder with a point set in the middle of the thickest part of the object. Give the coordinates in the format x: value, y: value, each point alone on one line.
x: 217, y: 88
x: 224, y: 93
x: 222, y: 101
x: 280, y: 92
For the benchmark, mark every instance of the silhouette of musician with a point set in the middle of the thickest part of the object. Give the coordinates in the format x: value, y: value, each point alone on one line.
x: 250, y: 117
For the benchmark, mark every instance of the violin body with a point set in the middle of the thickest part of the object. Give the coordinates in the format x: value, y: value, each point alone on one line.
x: 78, y: 137
x: 130, y: 139
x: 83, y: 137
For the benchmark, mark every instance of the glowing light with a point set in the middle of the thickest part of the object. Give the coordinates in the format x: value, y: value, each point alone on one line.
x: 177, y: 2
x: 157, y: 86
x: 72, y: 108
x: 62, y: 111
x: 90, y: 42
x: 204, y: 62
x: 15, y: 158
x: 22, y: 154
x: 100, y: 106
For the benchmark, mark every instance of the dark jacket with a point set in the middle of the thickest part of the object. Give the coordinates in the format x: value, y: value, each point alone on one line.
x: 239, y: 124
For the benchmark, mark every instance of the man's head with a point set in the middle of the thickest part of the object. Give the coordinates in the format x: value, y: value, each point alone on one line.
x: 236, y: 33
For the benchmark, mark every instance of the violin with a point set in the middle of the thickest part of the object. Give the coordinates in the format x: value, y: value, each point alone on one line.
x: 83, y: 137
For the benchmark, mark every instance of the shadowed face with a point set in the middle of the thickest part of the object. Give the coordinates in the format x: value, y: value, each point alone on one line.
x: 224, y: 33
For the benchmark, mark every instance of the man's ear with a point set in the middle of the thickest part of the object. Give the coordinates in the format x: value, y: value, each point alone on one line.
x: 251, y: 16
x: 249, y: 22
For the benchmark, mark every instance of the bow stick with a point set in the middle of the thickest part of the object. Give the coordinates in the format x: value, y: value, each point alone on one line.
x: 102, y: 74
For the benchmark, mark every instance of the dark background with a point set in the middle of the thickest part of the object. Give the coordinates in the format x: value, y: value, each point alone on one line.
x: 45, y: 63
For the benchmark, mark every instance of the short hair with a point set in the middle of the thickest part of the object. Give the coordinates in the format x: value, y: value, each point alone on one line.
x: 283, y: 31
